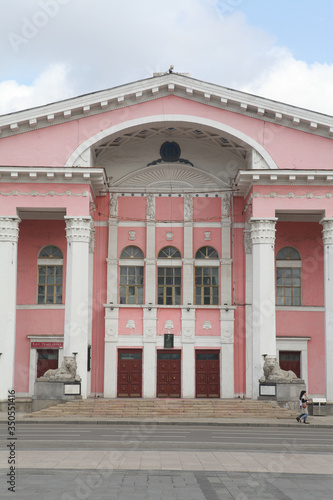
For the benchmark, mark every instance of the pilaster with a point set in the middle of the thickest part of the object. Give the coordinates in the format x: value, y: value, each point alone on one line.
x: 248, y: 312
x: 9, y: 230
x: 227, y: 319
x: 263, y: 295
x: 328, y: 283
x: 76, y: 332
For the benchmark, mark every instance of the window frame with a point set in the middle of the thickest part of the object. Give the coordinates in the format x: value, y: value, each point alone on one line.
x: 127, y: 285
x: 54, y: 264
x: 288, y: 264
x: 207, y: 262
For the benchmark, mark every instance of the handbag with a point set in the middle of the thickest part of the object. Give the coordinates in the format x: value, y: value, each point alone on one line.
x: 303, y: 405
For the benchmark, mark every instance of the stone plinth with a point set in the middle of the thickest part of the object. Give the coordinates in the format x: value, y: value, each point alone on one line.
x: 57, y: 390
x: 285, y: 393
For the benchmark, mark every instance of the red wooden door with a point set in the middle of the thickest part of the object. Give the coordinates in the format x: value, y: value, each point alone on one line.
x: 47, y: 360
x: 207, y: 374
x: 291, y: 360
x: 129, y: 373
x: 168, y: 374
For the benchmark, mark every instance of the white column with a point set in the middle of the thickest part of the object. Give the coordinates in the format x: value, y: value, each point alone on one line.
x: 149, y: 353
x: 328, y: 279
x: 188, y: 354
x: 226, y: 261
x: 227, y: 319
x: 9, y: 229
x: 76, y: 335
x: 248, y: 312
x: 263, y: 295
x: 150, y: 261
x: 112, y: 264
x: 188, y: 262
x: 110, y: 352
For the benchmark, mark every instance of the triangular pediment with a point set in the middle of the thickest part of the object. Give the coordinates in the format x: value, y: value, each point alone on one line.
x: 161, y: 86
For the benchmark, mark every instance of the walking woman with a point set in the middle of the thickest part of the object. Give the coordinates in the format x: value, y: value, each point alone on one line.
x: 303, y: 403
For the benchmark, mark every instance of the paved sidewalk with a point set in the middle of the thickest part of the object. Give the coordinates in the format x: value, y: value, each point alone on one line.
x: 323, y: 421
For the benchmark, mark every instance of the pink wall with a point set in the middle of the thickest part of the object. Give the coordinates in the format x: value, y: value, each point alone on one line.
x: 165, y: 314
x: 307, y: 324
x: 169, y: 208
x: 177, y: 241
x: 206, y: 209
x: 300, y: 150
x: 124, y: 241
x: 33, y: 236
x: 306, y: 198
x: 212, y: 315
x: 306, y: 237
x: 199, y: 239
x: 33, y: 322
x: 131, y: 208
x: 134, y: 314
x: 99, y: 298
x: 45, y: 196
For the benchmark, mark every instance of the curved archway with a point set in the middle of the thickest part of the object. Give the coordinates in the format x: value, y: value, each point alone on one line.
x: 81, y: 155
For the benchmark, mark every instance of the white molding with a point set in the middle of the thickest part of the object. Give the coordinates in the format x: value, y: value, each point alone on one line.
x: 160, y: 86
x: 40, y: 306
x: 300, y: 308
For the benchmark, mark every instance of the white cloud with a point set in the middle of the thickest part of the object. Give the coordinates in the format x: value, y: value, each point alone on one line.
x: 51, y: 85
x: 295, y: 82
x: 81, y: 48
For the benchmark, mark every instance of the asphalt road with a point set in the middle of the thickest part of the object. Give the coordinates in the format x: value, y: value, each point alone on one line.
x: 171, y: 437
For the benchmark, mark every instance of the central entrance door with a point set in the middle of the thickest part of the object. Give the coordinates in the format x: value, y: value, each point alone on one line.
x: 47, y: 359
x: 129, y: 373
x: 291, y: 360
x: 168, y: 374
x: 207, y: 374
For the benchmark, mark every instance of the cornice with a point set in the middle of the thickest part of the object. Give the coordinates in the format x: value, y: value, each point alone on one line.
x: 161, y: 86
x: 246, y: 179
x: 93, y: 177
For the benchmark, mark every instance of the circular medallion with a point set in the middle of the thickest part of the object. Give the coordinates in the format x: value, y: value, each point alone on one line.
x: 170, y: 151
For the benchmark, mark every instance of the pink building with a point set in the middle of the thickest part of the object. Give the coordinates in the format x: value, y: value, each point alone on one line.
x: 166, y: 210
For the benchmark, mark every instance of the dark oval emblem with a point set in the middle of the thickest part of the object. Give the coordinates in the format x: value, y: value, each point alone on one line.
x: 170, y: 151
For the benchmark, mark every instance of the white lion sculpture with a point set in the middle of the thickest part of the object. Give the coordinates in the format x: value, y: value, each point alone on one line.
x: 67, y: 371
x: 273, y: 372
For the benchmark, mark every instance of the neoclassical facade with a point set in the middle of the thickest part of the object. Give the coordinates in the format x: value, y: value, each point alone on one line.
x: 170, y: 234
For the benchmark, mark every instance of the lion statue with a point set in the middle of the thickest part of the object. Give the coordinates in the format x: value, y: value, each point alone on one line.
x: 66, y: 372
x: 273, y: 372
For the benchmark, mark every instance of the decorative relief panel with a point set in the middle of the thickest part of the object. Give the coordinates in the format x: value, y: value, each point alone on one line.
x: 113, y: 205
x: 78, y: 229
x: 207, y: 236
x: 9, y: 229
x: 150, y: 207
x: 130, y: 324
x: 327, y: 231
x: 263, y: 231
x: 131, y: 235
x: 169, y: 236
x: 168, y: 325
x: 207, y: 325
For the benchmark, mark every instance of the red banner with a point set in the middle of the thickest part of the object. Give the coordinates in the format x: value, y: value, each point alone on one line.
x: 47, y: 345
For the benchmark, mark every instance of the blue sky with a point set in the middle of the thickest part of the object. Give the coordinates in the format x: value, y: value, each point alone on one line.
x: 56, y: 49
x: 304, y: 26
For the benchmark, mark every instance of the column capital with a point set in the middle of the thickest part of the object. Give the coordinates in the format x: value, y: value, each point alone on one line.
x: 327, y: 231
x: 263, y: 230
x: 9, y: 229
x: 78, y: 229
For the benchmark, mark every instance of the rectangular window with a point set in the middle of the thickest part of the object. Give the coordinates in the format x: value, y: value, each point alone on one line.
x: 49, y: 284
x: 169, y: 282
x: 206, y: 285
x: 288, y: 286
x: 131, y: 285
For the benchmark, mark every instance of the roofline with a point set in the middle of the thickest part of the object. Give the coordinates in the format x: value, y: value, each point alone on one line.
x: 160, y: 86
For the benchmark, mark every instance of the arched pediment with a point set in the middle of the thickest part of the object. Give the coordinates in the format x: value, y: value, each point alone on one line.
x: 170, y: 174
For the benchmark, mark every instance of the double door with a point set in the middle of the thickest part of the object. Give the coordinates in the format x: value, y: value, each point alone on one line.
x: 207, y: 374
x: 129, y: 373
x: 168, y: 374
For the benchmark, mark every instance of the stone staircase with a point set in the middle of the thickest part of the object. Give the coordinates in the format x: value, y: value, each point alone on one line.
x: 164, y: 409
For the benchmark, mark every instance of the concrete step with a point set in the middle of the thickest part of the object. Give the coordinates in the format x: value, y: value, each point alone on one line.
x: 163, y: 408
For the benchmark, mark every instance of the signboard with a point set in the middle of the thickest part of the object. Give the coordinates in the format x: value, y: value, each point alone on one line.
x: 267, y: 389
x: 47, y: 345
x: 72, y: 389
x: 168, y: 340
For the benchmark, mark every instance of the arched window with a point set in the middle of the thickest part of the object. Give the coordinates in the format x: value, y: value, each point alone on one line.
x: 131, y: 276
x: 206, y: 253
x: 50, y: 271
x: 169, y: 278
x: 131, y: 252
x: 207, y: 277
x: 288, y: 277
x: 169, y: 253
